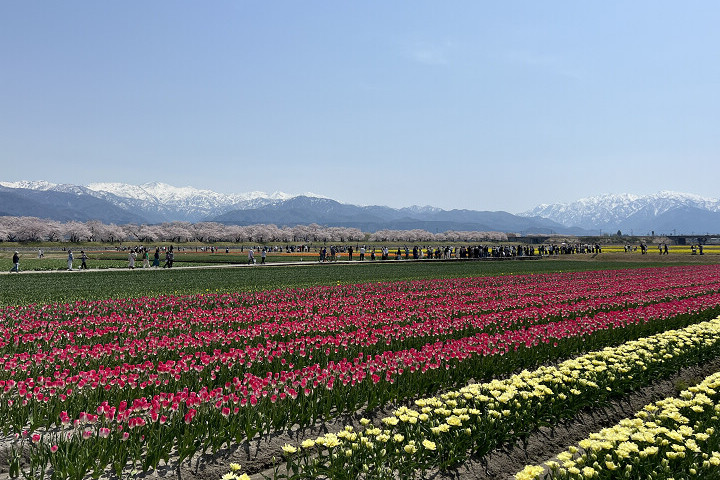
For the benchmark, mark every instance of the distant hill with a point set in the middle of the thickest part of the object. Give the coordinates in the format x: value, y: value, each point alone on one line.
x: 158, y: 202
x: 662, y: 213
x: 62, y: 206
x: 323, y: 211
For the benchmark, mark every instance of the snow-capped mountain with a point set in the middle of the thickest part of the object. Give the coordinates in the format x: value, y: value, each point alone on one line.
x: 418, y: 210
x: 158, y: 202
x: 182, y: 196
x: 187, y: 203
x: 663, y: 212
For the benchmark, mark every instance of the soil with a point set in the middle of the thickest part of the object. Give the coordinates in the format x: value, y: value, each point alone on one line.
x: 256, y: 457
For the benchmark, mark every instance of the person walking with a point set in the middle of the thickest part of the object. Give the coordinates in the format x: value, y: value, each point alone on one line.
x: 131, y: 259
x: 156, y: 257
x: 16, y: 262
x: 146, y: 258
x: 83, y: 258
x: 263, y: 254
x: 251, y: 256
x: 70, y: 259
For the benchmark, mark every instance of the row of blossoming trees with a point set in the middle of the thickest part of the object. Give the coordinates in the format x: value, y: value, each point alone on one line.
x: 32, y: 229
x: 115, y: 386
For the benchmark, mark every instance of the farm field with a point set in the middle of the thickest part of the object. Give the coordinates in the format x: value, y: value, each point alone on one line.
x: 55, y: 259
x: 382, y: 370
x: 99, y: 258
x: 58, y: 285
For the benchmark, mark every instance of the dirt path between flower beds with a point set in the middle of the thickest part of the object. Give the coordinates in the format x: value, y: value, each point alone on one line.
x: 502, y: 463
x: 545, y: 444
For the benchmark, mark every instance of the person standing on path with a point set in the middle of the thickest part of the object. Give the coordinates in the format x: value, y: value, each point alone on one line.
x: 70, y: 260
x: 146, y: 258
x: 16, y: 262
x: 83, y: 257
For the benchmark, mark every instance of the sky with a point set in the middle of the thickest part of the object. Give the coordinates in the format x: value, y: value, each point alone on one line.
x: 467, y: 104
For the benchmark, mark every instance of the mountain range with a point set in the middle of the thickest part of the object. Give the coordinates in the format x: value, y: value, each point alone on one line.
x: 665, y: 212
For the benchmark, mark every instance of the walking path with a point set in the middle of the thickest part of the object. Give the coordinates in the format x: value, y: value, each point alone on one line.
x: 267, y: 264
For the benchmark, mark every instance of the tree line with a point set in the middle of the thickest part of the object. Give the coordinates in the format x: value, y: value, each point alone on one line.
x: 33, y: 229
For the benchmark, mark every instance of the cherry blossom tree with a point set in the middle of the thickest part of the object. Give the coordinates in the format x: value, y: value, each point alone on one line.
x: 31, y: 229
x: 236, y: 233
x: 301, y: 233
x: 76, y: 231
x: 7, y: 228
x: 177, y: 231
x: 208, y: 231
x: 27, y: 229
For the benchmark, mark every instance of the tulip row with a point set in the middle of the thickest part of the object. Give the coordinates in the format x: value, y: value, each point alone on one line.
x: 442, y: 431
x: 186, y: 375
x: 303, y: 395
x: 409, y: 328
x: 134, y: 387
x: 304, y: 349
x: 348, y: 308
x: 672, y: 438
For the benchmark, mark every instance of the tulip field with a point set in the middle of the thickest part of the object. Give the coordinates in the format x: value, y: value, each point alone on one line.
x: 677, y: 434
x: 436, y: 370
x: 443, y: 430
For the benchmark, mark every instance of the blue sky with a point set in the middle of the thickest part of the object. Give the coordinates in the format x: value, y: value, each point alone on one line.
x: 466, y: 104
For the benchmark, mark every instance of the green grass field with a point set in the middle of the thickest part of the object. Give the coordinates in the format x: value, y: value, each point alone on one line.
x: 63, y: 286
x: 107, y: 258
x: 104, y: 259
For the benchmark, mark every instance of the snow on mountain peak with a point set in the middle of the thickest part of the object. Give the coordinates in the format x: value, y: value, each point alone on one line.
x: 164, y: 193
x: 30, y: 185
x: 164, y: 200
x: 614, y: 209
x: 158, y: 202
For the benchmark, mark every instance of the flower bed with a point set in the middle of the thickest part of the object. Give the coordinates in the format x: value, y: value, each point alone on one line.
x: 134, y: 382
x: 443, y: 431
x: 672, y: 438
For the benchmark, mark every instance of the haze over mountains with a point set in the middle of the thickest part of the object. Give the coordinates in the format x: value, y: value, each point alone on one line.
x: 665, y: 212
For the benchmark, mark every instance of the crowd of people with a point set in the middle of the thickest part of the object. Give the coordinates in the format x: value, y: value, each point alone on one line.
x: 152, y: 258
x: 446, y: 252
